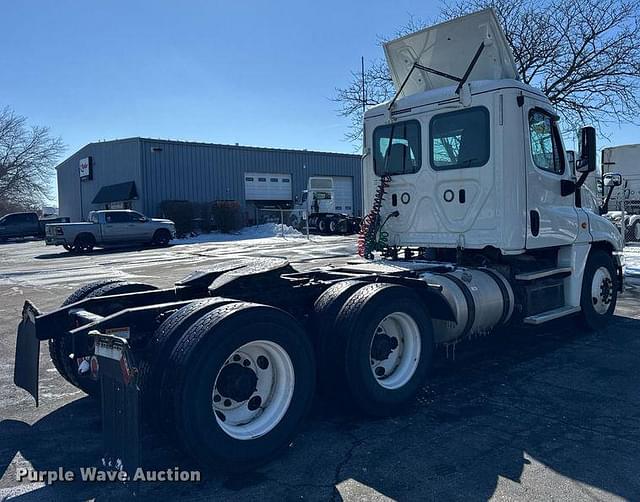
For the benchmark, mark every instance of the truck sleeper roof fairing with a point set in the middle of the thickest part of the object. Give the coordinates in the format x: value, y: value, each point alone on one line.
x: 449, y: 48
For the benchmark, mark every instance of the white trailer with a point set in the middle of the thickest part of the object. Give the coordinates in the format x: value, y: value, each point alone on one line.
x: 476, y: 222
x: 623, y: 160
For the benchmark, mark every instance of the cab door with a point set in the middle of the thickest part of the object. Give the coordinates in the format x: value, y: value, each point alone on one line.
x: 117, y: 227
x: 552, y: 218
x: 141, y: 228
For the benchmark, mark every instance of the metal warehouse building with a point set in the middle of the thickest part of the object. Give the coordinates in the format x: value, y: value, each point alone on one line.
x: 140, y: 173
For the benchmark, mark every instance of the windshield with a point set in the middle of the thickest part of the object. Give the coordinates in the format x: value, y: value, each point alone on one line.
x: 321, y: 195
x: 589, y: 200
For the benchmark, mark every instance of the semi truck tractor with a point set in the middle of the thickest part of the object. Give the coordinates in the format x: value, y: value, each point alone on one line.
x: 475, y: 223
x: 325, y: 212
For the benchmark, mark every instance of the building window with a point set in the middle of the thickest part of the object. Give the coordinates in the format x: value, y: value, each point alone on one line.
x: 460, y: 139
x: 397, y: 148
x: 286, y: 180
x: 248, y: 178
x: 262, y: 179
x: 274, y: 180
x: 545, y: 142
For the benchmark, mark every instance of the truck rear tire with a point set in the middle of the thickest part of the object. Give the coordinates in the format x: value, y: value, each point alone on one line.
x: 153, y: 379
x: 84, y: 243
x: 246, y: 381
x: 60, y: 348
x: 322, y: 328
x: 333, y: 225
x: 633, y: 233
x: 599, y: 290
x: 323, y: 225
x: 383, y: 348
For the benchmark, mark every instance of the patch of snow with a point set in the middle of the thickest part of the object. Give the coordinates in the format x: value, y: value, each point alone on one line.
x: 632, y: 264
x: 256, y: 232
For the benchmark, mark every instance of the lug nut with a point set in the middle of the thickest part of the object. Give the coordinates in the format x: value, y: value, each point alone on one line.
x: 380, y: 371
x: 217, y: 398
x: 246, y: 363
x: 263, y: 362
x: 236, y: 358
x: 227, y: 402
x: 254, y: 403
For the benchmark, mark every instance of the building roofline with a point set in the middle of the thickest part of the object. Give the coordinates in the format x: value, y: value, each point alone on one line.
x: 218, y: 145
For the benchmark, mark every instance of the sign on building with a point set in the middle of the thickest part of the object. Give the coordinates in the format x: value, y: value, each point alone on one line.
x: 86, y: 169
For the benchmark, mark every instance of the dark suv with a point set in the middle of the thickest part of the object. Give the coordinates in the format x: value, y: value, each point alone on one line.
x: 19, y: 225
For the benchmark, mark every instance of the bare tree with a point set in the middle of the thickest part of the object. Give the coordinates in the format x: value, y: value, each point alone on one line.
x: 584, y: 55
x: 27, y: 157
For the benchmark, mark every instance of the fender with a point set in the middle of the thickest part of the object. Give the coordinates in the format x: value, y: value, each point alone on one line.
x: 602, y: 230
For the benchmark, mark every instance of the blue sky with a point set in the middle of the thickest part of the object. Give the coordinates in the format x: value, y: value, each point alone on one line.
x: 255, y: 73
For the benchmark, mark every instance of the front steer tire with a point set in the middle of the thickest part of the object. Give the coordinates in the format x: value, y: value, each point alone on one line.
x: 60, y: 348
x: 597, y: 309
x: 161, y: 238
x: 206, y: 359
x: 381, y: 327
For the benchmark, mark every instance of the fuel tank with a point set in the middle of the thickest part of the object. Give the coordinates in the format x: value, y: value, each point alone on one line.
x: 481, y: 299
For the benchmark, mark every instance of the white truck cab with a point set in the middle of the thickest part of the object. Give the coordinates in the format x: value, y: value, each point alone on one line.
x: 467, y: 160
x: 319, y: 206
x: 319, y: 197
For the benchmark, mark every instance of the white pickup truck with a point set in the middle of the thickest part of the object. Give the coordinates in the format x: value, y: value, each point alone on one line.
x: 108, y: 228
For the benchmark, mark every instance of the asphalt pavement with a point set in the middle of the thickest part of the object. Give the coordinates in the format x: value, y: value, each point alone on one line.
x: 547, y: 413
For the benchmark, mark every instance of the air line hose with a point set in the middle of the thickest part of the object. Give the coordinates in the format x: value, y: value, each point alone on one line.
x: 369, y: 240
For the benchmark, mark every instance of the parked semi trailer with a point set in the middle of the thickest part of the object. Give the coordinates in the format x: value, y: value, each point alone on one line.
x: 476, y: 222
x: 624, y: 160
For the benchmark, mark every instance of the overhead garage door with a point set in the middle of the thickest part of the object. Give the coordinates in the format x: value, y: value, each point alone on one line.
x: 343, y: 189
x: 267, y: 186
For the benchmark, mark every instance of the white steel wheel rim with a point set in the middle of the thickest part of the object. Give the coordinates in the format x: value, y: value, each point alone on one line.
x: 274, y: 384
x: 601, y: 290
x: 398, y: 367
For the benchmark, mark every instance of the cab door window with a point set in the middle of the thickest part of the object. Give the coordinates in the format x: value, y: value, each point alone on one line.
x: 545, y: 142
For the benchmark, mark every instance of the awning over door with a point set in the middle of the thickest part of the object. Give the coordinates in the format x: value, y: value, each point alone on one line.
x: 116, y: 193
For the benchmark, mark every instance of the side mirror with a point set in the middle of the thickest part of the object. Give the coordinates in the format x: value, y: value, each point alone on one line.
x: 612, y: 180
x: 587, y: 161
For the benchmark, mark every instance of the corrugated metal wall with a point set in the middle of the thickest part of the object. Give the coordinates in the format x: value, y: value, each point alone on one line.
x: 113, y: 162
x: 202, y: 173
x: 199, y: 172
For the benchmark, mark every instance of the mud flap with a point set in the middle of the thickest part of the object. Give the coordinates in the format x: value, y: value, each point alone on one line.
x: 120, y: 403
x: 26, y: 371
